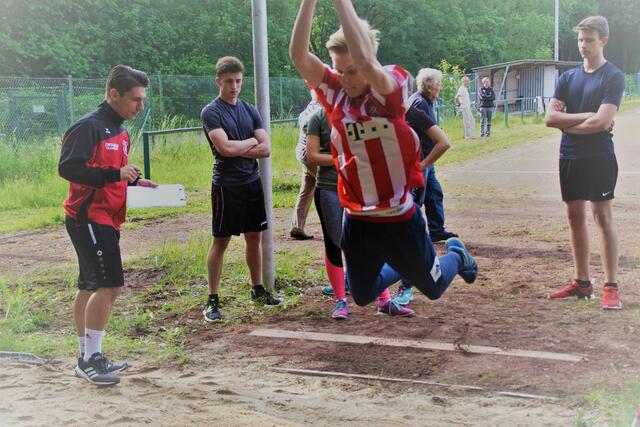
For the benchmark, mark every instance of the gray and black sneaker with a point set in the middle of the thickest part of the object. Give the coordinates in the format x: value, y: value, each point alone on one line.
x: 95, y: 371
x: 211, y: 312
x: 112, y: 368
x: 260, y: 295
x: 116, y: 368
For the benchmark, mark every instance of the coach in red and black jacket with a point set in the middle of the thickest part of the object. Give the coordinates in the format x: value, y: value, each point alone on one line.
x: 94, y: 159
x: 94, y: 150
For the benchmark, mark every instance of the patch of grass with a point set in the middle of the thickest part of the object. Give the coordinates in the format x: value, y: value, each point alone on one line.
x: 36, y: 313
x: 542, y: 233
x: 31, y: 192
x: 197, y: 202
x: 501, y: 137
x: 629, y: 104
x: 184, y: 286
x: 28, y: 313
x: 30, y: 218
x: 37, y: 317
x: 611, y: 408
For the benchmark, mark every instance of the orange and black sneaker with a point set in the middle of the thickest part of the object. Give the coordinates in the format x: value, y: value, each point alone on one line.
x: 573, y: 289
x: 610, y: 298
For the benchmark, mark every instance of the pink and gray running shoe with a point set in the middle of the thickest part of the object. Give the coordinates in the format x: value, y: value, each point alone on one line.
x: 392, y: 308
x: 341, y: 311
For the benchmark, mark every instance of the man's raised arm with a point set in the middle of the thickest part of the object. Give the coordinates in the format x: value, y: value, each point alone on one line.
x: 308, y: 65
x: 361, y: 50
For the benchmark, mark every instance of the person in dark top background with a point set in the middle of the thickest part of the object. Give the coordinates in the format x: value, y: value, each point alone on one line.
x: 433, y: 144
x: 237, y: 138
x: 308, y: 183
x: 94, y: 159
x: 429, y: 81
x: 328, y: 206
x: 583, y: 107
x: 487, y: 97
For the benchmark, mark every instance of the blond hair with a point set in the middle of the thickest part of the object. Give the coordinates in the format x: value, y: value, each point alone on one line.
x: 427, y: 78
x: 337, y: 43
x: 598, y: 24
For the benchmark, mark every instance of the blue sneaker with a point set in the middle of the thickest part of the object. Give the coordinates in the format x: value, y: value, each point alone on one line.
x: 469, y: 269
x: 403, y: 295
x: 327, y: 290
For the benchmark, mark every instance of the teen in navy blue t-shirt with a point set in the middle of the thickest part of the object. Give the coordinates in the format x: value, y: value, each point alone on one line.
x: 583, y: 107
x: 239, y: 122
x: 237, y: 137
x: 585, y: 92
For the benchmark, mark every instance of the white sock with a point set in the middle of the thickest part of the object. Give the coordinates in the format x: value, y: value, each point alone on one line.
x: 93, y: 342
x: 81, y: 345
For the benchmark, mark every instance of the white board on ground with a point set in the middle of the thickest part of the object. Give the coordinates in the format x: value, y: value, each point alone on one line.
x: 427, y: 344
x: 168, y: 195
x: 407, y: 380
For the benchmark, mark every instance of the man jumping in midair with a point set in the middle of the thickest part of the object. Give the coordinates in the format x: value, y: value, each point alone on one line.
x: 377, y: 156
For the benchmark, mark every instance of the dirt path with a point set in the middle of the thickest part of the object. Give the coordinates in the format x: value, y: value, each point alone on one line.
x: 25, y: 253
x: 506, y: 207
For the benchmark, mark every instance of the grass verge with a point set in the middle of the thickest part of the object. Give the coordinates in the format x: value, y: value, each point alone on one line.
x: 604, y: 407
x: 158, y: 314
x: 31, y: 193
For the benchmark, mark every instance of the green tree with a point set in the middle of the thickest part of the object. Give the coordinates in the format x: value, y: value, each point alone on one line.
x: 86, y: 38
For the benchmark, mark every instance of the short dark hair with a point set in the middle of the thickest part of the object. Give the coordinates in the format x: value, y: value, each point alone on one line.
x: 598, y: 24
x: 229, y: 64
x: 124, y: 78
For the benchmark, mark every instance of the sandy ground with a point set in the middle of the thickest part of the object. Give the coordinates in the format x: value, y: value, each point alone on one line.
x: 506, y: 207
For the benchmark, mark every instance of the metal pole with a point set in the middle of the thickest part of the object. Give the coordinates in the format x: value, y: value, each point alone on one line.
x: 161, y: 93
x: 71, y: 112
x: 146, y: 155
x: 281, y: 112
x: 556, y: 45
x: 261, y: 79
x: 505, y: 109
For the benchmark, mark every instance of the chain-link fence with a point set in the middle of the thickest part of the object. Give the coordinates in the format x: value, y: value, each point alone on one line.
x: 186, y: 95
x: 32, y: 108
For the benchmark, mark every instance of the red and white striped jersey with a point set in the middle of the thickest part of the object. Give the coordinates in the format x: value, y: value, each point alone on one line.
x: 375, y: 151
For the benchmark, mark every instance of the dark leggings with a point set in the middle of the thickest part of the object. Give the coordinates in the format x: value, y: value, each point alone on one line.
x: 330, y: 213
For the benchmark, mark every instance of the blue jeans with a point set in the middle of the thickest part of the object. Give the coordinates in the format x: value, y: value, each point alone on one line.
x: 379, y: 254
x: 432, y: 197
x: 486, y: 113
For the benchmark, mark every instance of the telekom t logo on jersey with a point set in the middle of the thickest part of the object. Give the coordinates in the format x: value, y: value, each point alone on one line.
x: 371, y: 129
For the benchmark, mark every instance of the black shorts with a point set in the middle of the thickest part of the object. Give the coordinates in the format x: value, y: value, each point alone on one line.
x: 592, y: 179
x: 98, y: 250
x: 237, y: 209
